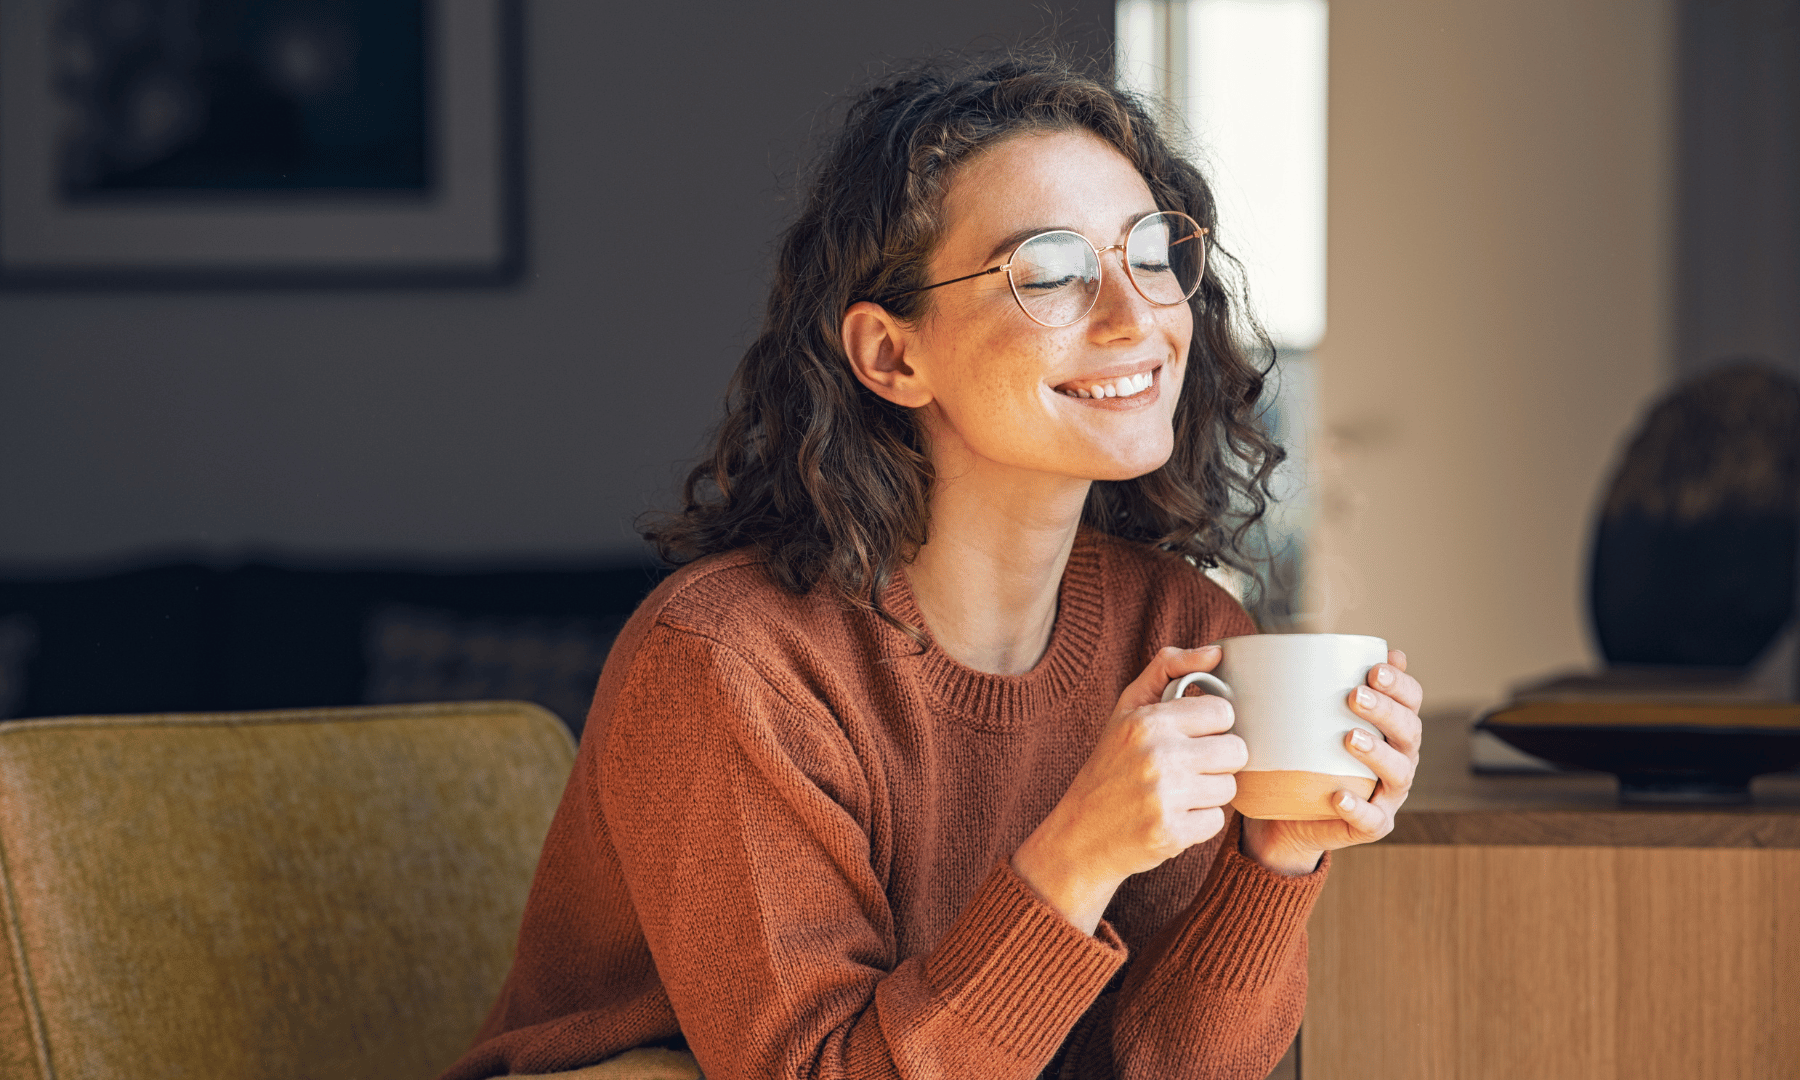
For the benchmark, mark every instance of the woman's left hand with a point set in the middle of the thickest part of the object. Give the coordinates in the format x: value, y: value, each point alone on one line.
x: 1390, y: 702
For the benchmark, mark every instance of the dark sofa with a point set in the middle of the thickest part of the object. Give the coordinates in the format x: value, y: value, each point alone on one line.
x: 186, y: 637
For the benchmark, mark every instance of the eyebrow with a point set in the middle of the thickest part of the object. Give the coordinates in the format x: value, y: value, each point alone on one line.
x: 1019, y: 236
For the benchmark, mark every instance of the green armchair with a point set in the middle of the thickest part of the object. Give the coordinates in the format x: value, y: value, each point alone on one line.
x: 306, y: 893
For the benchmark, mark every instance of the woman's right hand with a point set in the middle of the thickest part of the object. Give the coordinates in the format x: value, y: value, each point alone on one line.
x: 1155, y: 785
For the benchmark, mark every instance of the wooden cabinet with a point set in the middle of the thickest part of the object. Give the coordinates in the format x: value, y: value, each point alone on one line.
x: 1529, y: 927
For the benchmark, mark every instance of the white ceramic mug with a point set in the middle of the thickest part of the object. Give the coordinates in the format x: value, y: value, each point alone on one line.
x: 1290, y: 694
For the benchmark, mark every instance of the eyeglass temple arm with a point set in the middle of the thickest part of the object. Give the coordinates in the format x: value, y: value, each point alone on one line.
x: 952, y: 281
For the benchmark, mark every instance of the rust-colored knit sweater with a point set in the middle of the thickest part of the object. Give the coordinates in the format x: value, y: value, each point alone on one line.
x: 787, y: 838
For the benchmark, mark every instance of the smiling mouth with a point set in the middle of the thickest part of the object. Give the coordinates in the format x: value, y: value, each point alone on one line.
x: 1122, y: 387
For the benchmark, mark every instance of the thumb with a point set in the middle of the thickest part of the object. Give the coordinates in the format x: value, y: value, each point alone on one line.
x: 1165, y: 667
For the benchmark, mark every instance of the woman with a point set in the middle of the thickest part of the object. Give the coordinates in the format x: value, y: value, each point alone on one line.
x: 881, y: 785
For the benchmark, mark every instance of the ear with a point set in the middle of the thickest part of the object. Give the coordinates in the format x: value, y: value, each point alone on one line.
x: 877, y: 344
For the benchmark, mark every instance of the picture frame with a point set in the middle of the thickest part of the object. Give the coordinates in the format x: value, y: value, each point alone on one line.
x: 382, y: 149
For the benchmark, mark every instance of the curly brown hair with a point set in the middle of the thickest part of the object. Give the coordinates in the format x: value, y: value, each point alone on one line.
x: 830, y: 480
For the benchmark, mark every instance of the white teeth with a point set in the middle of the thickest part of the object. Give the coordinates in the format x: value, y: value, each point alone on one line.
x: 1124, y: 386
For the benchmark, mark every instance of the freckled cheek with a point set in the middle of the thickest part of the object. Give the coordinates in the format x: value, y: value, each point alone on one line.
x: 1180, y: 322
x: 1008, y: 367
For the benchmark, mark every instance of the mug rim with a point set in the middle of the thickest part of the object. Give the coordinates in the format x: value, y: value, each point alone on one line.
x: 1265, y: 637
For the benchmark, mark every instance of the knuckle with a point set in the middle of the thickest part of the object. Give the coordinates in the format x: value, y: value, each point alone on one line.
x: 1147, y: 742
x: 1216, y: 708
x: 1139, y: 725
x: 1220, y: 789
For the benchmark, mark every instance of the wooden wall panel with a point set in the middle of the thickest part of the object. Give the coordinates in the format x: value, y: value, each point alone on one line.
x: 1709, y: 983
x: 1534, y: 954
x: 1382, y: 944
x: 1467, y: 963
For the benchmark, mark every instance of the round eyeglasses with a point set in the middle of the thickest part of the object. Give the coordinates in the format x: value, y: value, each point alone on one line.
x: 1055, y: 275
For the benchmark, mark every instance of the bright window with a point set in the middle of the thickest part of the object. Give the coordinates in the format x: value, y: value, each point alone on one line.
x: 1246, y: 80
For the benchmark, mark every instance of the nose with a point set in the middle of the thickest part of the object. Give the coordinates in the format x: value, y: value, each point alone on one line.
x: 1120, y: 311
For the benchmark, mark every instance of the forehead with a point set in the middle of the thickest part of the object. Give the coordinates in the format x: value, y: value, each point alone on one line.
x: 1051, y: 180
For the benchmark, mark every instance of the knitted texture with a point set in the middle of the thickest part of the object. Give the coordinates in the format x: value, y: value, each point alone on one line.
x: 786, y: 841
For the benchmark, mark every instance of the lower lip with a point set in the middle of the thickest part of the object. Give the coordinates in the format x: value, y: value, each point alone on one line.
x: 1121, y: 404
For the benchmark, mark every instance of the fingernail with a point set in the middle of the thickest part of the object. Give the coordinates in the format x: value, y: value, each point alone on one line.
x: 1361, y: 739
x: 1384, y: 675
x: 1345, y: 800
x: 1210, y: 649
x: 1365, y: 698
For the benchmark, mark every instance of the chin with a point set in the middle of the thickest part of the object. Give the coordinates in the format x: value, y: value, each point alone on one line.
x: 1129, y: 454
x: 1132, y: 467
x: 1120, y: 477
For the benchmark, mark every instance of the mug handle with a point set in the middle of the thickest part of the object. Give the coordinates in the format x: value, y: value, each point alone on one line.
x: 1213, y: 684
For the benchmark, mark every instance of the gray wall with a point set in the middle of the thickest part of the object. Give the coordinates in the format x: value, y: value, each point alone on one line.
x: 531, y: 421
x: 1738, y: 267
x: 1501, y: 202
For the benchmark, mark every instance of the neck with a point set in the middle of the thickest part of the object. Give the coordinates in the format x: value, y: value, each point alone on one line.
x: 987, y: 581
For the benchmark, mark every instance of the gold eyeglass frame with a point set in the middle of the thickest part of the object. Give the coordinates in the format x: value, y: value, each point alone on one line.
x: 1200, y: 234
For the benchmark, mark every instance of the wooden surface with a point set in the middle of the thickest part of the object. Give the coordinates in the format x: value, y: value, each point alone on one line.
x: 1530, y: 927
x: 1450, y: 806
x: 1443, y: 962
x: 1781, y: 716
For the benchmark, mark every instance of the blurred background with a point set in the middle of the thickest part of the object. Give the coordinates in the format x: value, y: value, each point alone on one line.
x: 1493, y: 233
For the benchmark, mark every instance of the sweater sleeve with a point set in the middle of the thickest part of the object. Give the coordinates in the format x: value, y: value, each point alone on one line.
x: 741, y: 817
x: 1219, y: 992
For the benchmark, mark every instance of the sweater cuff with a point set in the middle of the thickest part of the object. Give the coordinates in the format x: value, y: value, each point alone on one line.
x: 1247, y: 918
x: 1017, y: 970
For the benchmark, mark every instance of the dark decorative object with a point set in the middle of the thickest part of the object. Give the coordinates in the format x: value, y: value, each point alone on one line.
x: 1694, y: 561
x: 258, y: 141
x: 1693, y: 582
x: 1669, y: 734
x: 1697, y: 764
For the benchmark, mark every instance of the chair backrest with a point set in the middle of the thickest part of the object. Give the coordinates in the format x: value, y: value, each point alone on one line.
x: 307, y: 893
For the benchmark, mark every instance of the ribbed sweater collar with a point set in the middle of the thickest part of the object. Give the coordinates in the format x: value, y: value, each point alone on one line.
x: 1004, y: 702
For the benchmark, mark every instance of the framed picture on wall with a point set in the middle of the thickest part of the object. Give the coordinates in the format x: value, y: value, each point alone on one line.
x: 259, y: 142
